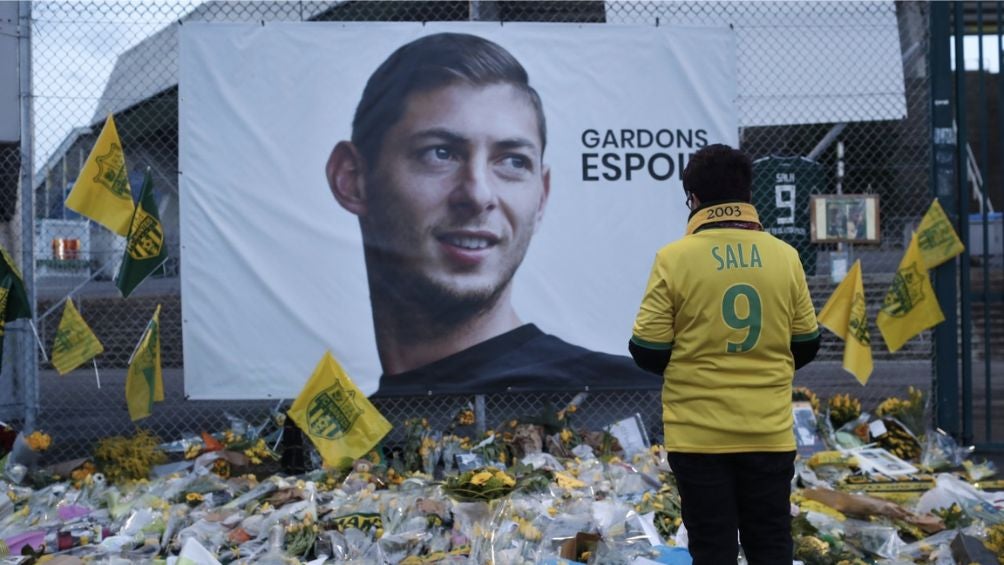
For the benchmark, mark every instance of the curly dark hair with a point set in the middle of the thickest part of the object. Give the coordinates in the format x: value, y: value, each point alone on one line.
x: 717, y: 173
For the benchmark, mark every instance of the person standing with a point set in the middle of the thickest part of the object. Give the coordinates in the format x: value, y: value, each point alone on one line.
x: 726, y: 318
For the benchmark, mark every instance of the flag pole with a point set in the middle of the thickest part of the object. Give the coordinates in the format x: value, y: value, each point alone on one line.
x: 38, y: 340
x: 138, y: 343
x: 97, y: 376
x: 60, y: 302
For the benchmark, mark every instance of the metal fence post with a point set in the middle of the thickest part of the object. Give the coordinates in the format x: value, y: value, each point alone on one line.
x: 962, y: 200
x: 943, y: 179
x: 28, y: 362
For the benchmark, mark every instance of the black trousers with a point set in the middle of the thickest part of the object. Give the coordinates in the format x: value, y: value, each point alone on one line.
x: 748, y: 492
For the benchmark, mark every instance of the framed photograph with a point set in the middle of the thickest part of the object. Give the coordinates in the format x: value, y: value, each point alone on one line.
x: 807, y: 437
x: 877, y: 460
x: 849, y: 218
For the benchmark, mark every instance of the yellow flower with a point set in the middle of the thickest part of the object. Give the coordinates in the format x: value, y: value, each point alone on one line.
x: 566, y: 435
x: 428, y: 444
x: 193, y: 498
x: 529, y: 531
x: 38, y: 441
x: 466, y: 417
x: 481, y: 478
x: 506, y: 479
x: 567, y: 481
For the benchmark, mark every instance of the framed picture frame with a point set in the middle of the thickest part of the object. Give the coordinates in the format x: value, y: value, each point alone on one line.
x: 807, y: 438
x: 844, y: 218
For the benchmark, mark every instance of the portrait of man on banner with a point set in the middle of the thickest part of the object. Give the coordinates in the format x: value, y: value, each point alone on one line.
x: 446, y: 172
x: 447, y: 208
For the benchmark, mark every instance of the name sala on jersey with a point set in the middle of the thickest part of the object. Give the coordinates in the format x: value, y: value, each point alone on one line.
x: 736, y: 257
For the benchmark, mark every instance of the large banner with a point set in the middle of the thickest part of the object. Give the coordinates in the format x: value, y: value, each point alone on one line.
x: 448, y: 208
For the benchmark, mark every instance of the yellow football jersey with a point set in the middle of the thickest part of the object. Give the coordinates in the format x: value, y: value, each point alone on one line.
x: 728, y: 303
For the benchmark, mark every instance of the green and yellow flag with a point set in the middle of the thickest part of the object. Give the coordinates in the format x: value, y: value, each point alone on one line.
x: 336, y: 415
x: 75, y: 343
x: 936, y: 237
x: 102, y: 191
x: 845, y: 315
x: 13, y: 297
x: 16, y: 304
x: 145, y: 249
x: 910, y: 306
x: 144, y: 381
x: 5, y: 283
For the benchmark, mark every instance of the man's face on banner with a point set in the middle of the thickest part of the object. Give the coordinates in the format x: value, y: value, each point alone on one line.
x: 457, y: 190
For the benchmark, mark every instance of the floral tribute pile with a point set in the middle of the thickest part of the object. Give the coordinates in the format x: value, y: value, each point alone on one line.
x: 868, y: 489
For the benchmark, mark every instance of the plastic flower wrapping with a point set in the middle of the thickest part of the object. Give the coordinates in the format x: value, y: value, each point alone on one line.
x: 533, y: 490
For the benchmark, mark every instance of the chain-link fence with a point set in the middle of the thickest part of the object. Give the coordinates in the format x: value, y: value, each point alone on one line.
x: 121, y: 58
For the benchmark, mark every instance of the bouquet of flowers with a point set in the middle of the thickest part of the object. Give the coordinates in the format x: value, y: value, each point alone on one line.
x: 481, y: 484
x: 909, y: 411
x: 24, y: 454
x: 128, y: 459
x: 843, y: 408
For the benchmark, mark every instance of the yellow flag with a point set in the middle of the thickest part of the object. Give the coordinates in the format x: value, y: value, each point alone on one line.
x: 336, y: 415
x: 144, y: 381
x: 910, y: 306
x: 75, y: 343
x: 936, y: 237
x: 102, y: 191
x: 845, y: 315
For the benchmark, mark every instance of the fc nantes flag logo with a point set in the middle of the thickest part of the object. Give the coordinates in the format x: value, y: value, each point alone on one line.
x: 845, y: 315
x: 332, y: 412
x: 910, y: 305
x: 112, y: 171
x: 858, y: 322
x: 146, y: 238
x: 906, y: 292
x: 145, y: 249
x: 936, y: 237
x: 102, y: 191
x: 336, y: 416
x: 75, y: 343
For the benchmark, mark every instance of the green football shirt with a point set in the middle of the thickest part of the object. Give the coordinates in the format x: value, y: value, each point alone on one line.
x: 727, y: 303
x: 782, y: 192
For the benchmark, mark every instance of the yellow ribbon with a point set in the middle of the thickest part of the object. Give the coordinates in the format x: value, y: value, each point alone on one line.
x: 725, y: 212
